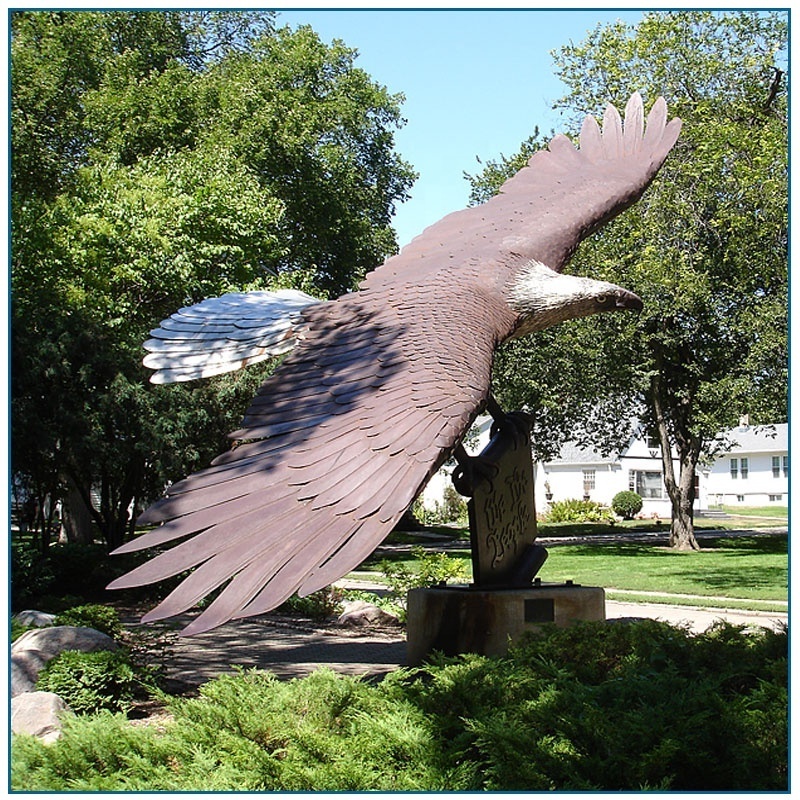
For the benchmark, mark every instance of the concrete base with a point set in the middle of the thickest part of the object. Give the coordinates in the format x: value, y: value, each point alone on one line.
x: 462, y: 619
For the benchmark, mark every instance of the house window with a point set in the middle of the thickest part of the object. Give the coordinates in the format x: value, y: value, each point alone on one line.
x: 744, y: 467
x: 776, y: 498
x: 646, y: 484
x: 786, y: 466
x: 740, y: 498
x: 734, y: 468
x: 588, y: 480
x: 776, y: 466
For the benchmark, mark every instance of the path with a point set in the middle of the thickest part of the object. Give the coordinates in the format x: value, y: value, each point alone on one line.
x: 292, y: 648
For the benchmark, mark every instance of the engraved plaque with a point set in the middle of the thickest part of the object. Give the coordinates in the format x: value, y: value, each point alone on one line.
x: 540, y: 610
x: 502, y: 516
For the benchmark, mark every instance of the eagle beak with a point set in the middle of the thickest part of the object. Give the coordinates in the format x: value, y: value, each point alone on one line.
x: 626, y: 299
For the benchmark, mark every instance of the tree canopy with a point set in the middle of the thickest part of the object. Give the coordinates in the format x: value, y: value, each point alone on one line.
x: 161, y: 157
x: 706, y: 249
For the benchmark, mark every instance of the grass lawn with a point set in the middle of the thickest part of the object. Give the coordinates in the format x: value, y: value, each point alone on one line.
x: 770, y: 512
x: 753, y: 570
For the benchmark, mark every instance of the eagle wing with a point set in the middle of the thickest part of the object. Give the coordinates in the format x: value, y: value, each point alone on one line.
x: 564, y: 194
x: 226, y: 333
x: 334, y: 448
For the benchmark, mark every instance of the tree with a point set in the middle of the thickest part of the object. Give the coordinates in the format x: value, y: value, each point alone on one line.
x: 706, y: 249
x: 160, y: 158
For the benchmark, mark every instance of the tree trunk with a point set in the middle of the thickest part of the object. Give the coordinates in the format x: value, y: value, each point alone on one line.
x: 76, y: 518
x: 681, y: 491
x: 681, y: 532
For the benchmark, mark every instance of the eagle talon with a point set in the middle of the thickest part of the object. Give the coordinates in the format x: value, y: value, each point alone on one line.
x: 518, y: 424
x: 471, y: 471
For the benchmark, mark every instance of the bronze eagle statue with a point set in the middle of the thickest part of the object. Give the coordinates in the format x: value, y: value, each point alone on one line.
x: 380, y: 385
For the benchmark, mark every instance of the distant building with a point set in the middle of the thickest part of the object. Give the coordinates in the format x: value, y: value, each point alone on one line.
x: 754, y: 472
x: 581, y: 472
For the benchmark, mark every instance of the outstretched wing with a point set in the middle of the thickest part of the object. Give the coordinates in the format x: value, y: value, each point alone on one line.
x: 562, y: 196
x: 225, y: 333
x: 336, y: 445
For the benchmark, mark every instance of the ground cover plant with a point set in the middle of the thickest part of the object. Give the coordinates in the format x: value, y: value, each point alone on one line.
x: 605, y: 706
x: 88, y: 682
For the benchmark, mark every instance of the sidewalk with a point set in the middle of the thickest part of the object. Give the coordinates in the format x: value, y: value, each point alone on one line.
x: 293, y: 648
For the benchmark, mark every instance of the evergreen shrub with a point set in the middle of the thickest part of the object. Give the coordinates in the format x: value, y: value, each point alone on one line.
x: 89, y: 682
x: 597, y: 706
x: 93, y: 615
x: 627, y: 504
x: 573, y: 510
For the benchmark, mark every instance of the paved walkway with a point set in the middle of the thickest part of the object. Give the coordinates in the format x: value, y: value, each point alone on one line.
x: 292, y: 648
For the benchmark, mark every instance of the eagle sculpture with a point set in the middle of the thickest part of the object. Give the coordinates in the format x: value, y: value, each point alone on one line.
x: 382, y: 383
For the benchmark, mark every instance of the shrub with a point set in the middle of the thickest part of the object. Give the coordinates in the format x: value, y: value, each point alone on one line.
x: 101, y: 618
x: 455, y: 507
x: 90, y: 682
x: 627, y: 504
x: 318, y: 605
x: 431, y: 570
x: 31, y: 575
x: 596, y: 706
x: 573, y: 510
x: 17, y: 629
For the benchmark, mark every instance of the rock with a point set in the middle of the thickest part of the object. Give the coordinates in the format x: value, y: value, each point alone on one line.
x: 38, y: 714
x: 361, y: 614
x: 35, y: 648
x: 52, y: 641
x: 25, y: 669
x: 34, y: 619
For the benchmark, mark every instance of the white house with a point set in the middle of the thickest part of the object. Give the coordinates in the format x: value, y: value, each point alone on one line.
x: 580, y: 472
x: 754, y: 472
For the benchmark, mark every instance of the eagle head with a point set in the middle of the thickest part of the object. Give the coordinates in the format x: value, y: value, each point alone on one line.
x: 542, y: 297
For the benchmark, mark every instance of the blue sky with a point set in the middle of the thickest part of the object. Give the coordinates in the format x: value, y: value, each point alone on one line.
x: 476, y: 83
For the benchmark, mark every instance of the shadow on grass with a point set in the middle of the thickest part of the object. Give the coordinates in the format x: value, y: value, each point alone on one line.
x: 725, y: 581
x: 723, y: 547
x: 756, y: 545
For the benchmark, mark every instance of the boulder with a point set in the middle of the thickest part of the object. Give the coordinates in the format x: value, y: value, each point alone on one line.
x: 38, y: 714
x: 52, y: 641
x: 362, y: 614
x: 34, y: 619
x: 35, y: 648
x: 25, y: 669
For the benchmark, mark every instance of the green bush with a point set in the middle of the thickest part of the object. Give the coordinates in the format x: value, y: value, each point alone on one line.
x: 318, y: 605
x: 452, y: 509
x: 71, y: 574
x: 572, y: 510
x: 597, y: 706
x: 430, y: 569
x: 31, y: 575
x: 101, y: 618
x: 90, y: 682
x: 627, y: 504
x: 17, y: 629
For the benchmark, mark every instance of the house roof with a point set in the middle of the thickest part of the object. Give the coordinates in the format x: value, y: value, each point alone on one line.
x: 759, y: 438
x: 745, y: 439
x: 572, y: 453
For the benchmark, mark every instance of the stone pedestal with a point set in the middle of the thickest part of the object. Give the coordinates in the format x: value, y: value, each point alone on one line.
x: 463, y: 619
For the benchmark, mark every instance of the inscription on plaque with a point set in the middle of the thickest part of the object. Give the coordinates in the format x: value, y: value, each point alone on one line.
x: 502, y: 512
